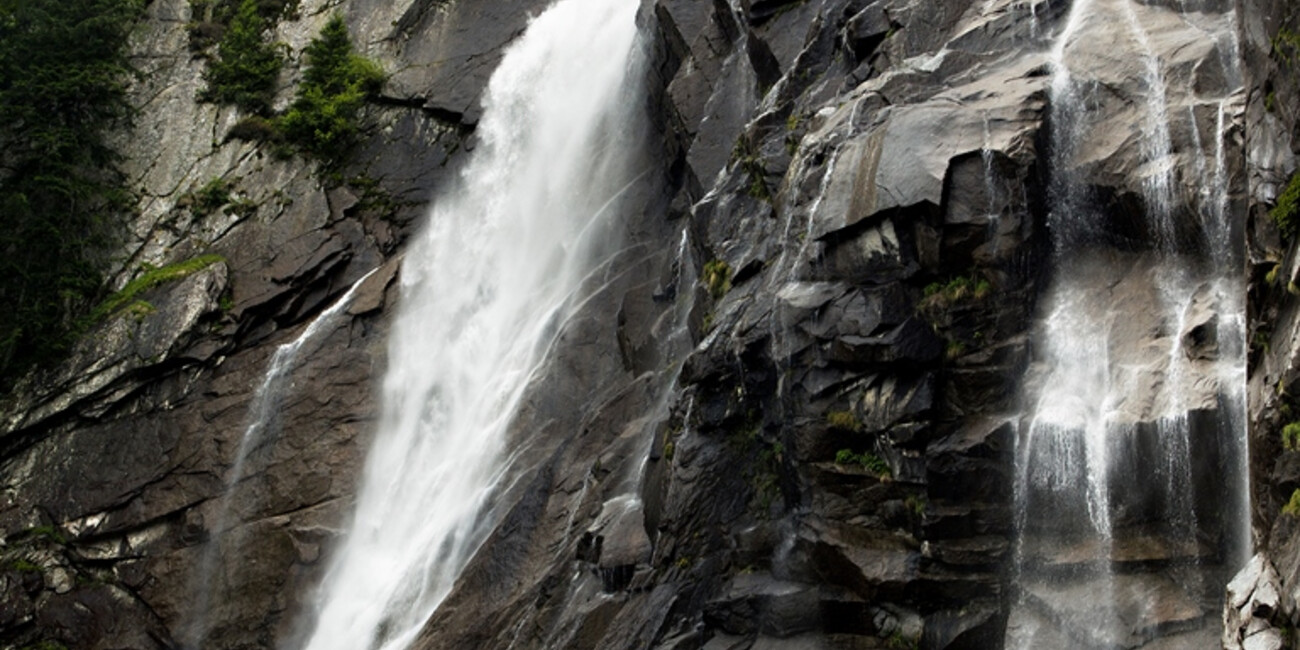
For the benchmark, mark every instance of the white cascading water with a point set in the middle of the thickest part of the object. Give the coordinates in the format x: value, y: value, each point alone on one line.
x: 506, y: 257
x: 1114, y: 549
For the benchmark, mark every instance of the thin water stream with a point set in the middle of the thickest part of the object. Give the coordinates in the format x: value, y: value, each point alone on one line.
x: 263, y: 413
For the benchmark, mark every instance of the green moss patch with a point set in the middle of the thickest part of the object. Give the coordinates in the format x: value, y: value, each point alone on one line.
x: 149, y: 279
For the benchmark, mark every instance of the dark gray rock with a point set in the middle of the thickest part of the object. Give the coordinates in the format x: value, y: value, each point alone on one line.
x: 838, y: 155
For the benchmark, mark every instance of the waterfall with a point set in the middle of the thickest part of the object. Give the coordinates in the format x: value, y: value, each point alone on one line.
x: 262, y: 412
x: 1132, y: 408
x: 505, y: 259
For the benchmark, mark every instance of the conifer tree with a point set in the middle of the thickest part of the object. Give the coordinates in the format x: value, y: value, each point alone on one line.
x: 336, y: 82
x: 63, y: 76
x: 247, y: 68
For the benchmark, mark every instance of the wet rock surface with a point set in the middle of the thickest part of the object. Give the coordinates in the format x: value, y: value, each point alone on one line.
x: 1253, y: 602
x: 114, y: 523
x: 1271, y: 144
x: 790, y: 424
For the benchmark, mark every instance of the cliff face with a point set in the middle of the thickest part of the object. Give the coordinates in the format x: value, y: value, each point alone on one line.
x: 822, y: 350
x: 1267, y: 589
x: 116, y: 464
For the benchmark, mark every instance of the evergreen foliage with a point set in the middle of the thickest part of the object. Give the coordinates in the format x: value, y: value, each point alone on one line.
x: 247, y: 67
x: 63, y: 75
x: 323, y: 119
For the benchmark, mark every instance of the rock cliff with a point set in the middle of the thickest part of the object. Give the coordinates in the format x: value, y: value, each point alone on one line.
x: 1263, y: 598
x: 789, y: 424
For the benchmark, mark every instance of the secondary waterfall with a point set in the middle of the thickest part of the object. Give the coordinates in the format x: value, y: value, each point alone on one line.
x: 262, y: 425
x: 506, y: 257
x: 1129, y: 515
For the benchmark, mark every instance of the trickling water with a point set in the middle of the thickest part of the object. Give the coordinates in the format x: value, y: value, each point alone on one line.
x: 505, y: 260
x: 262, y: 414
x: 1220, y: 234
x: 992, y: 205
x: 1198, y: 150
x: 1157, y: 145
x: 1127, y: 365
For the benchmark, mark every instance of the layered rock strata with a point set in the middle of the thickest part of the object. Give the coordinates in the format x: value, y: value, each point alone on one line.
x: 850, y: 207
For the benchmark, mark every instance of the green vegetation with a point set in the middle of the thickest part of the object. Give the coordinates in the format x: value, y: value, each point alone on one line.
x: 744, y: 155
x: 247, y: 67
x: 49, y: 533
x: 149, y: 279
x: 773, y: 454
x: 717, y: 277
x: 255, y: 128
x: 25, y: 565
x: 63, y: 75
x: 1270, y: 278
x: 939, y: 297
x: 916, y: 504
x: 670, y: 442
x: 45, y: 645
x: 897, y: 641
x: 221, y: 12
x: 1291, y: 436
x: 866, y: 459
x: 1286, y: 46
x: 322, y: 121
x: 757, y: 186
x: 791, y: 133
x: 960, y: 288
x: 953, y: 350
x: 210, y: 19
x: 845, y: 420
x: 209, y: 198
x: 1292, y: 507
x: 1260, y: 340
x: 1286, y: 214
x: 375, y: 199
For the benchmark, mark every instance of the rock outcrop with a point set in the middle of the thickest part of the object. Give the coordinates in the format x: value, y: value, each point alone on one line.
x: 1262, y: 598
x: 789, y: 422
x: 124, y: 522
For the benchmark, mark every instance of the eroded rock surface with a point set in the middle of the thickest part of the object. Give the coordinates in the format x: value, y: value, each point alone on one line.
x: 787, y: 423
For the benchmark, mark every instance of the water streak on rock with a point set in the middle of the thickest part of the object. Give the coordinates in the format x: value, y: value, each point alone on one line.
x: 262, y: 424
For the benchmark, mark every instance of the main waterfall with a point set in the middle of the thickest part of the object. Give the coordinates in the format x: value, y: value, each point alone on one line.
x: 506, y: 257
x: 1129, y: 514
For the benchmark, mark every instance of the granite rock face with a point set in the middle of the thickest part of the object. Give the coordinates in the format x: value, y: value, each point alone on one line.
x: 863, y: 189
x: 120, y: 525
x: 790, y: 424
